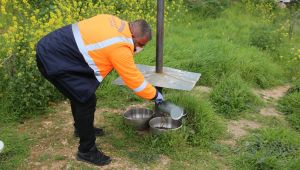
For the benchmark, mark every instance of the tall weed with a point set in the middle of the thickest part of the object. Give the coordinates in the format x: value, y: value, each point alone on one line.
x: 233, y: 96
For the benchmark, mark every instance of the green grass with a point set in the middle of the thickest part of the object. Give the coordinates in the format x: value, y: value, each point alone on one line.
x: 218, y: 47
x: 274, y: 148
x: 290, y: 106
x: 233, y: 96
x: 16, y: 146
x: 203, y: 125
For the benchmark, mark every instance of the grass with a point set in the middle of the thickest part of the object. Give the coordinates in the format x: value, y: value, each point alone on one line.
x: 16, y: 146
x: 203, y: 126
x: 269, y: 149
x: 290, y: 106
x: 233, y: 96
x: 216, y: 48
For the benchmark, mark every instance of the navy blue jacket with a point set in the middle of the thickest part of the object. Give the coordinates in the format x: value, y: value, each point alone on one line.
x: 64, y: 66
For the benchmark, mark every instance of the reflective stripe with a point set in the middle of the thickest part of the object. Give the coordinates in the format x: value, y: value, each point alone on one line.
x: 99, y: 45
x: 84, y: 52
x: 122, y: 26
x: 108, y: 42
x: 141, y: 87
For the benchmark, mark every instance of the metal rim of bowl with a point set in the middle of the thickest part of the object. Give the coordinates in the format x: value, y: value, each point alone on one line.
x: 169, y: 118
x: 130, y: 118
x: 138, y: 117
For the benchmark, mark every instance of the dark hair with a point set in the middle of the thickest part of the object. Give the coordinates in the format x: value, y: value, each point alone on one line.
x: 144, y: 28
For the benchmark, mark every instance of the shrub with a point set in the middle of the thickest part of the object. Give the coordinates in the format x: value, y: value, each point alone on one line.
x: 265, y: 38
x: 232, y: 96
x: 269, y: 149
x: 290, y: 106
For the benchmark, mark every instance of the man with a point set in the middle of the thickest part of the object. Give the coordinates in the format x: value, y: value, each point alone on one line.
x: 77, y: 57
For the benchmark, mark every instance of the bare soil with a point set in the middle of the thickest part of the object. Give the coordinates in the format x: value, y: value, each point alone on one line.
x: 273, y: 93
x: 238, y: 129
x: 270, y: 111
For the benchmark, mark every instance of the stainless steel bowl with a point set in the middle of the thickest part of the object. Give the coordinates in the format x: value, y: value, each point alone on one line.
x: 160, y: 125
x: 138, y: 117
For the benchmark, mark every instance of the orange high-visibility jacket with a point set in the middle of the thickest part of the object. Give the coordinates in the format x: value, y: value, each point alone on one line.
x: 105, y: 41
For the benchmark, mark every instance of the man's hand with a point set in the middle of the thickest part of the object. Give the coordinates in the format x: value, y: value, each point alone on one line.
x: 159, y: 99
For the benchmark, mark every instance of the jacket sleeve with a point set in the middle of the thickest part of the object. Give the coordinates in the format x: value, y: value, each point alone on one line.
x: 122, y: 60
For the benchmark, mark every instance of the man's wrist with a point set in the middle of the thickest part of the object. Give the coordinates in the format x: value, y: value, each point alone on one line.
x: 156, y: 94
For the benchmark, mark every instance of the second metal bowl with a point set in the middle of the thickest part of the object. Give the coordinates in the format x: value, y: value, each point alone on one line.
x: 159, y: 125
x: 138, y: 117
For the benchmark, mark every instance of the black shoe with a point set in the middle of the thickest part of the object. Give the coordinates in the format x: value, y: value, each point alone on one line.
x: 93, y: 156
x: 98, y: 132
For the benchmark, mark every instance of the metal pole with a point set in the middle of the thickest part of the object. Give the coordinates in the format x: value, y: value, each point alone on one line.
x: 159, y: 44
x: 159, y: 36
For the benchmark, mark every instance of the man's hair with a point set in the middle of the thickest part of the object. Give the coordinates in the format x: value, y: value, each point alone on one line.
x: 143, y: 27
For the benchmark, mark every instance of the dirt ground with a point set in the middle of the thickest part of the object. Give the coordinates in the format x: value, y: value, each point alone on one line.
x: 273, y: 93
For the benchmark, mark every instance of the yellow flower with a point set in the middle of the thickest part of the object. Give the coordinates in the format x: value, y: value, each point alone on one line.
x: 3, y: 10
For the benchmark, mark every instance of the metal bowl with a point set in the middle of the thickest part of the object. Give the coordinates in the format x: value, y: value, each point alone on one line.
x: 160, y: 125
x: 138, y: 118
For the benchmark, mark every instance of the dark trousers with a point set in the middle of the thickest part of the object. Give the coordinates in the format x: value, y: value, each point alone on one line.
x: 83, y: 112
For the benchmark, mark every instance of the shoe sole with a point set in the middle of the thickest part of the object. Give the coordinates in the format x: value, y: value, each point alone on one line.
x: 83, y: 160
